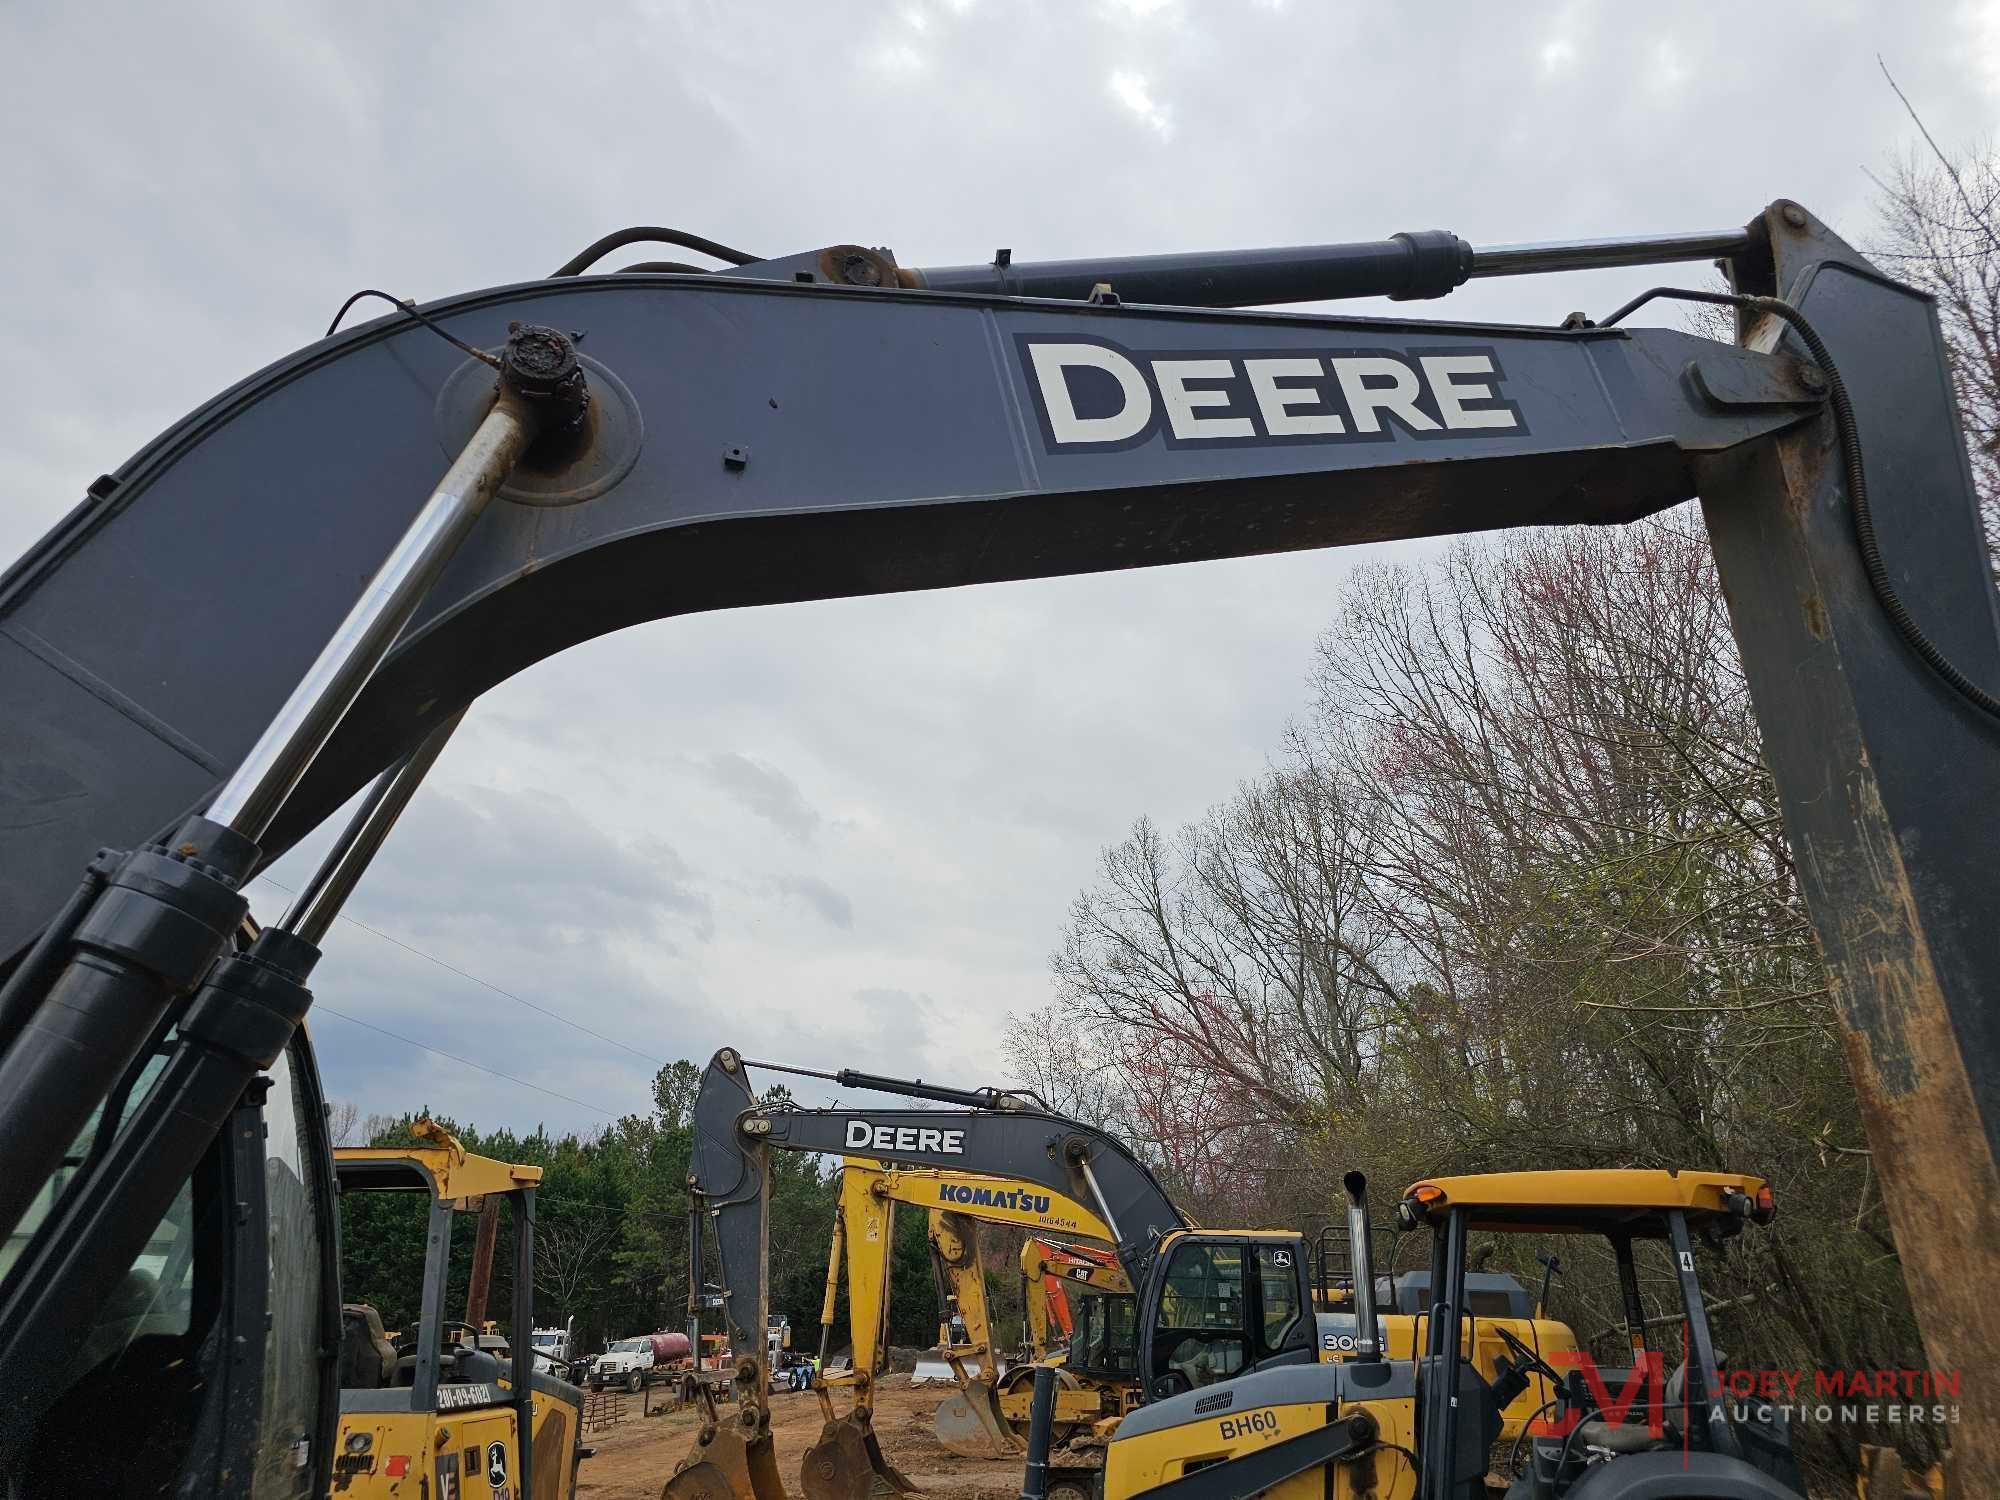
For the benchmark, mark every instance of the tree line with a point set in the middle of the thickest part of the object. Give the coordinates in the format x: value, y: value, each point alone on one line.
x: 611, y: 1232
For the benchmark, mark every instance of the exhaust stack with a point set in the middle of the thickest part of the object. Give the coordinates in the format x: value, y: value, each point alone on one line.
x: 1367, y: 1327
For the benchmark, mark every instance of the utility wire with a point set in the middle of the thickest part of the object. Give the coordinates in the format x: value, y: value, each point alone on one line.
x: 320, y: 1006
x: 487, y: 983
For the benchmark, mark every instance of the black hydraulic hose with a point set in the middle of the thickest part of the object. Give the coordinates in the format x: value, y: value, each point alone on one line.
x: 1569, y: 1438
x: 409, y: 310
x: 680, y: 266
x: 1849, y: 434
x: 1514, y: 1451
x: 650, y: 234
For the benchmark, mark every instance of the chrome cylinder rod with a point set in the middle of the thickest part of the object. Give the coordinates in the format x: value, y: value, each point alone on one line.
x: 319, y: 902
x: 1597, y: 255
x: 251, y: 797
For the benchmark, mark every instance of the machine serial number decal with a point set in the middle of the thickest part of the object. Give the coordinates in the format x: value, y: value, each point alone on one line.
x: 454, y: 1397
x: 1249, y: 1423
x: 1096, y: 396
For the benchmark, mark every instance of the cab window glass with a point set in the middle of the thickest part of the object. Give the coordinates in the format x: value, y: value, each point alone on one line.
x: 1199, y: 1338
x: 293, y: 1337
x: 1105, y: 1335
x: 1278, y: 1286
x: 1204, y: 1288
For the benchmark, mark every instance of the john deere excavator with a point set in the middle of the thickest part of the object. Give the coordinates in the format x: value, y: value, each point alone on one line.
x: 294, y: 593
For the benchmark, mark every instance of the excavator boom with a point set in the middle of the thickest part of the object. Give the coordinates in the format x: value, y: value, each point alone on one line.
x: 189, y: 640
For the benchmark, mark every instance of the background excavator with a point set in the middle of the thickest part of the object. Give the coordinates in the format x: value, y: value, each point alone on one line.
x: 972, y: 1421
x: 1086, y: 1292
x: 1049, y: 1273
x: 187, y: 701
x: 987, y: 1417
x: 1208, y: 1304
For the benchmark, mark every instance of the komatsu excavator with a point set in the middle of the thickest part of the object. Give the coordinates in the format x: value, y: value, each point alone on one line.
x: 973, y: 1421
x: 294, y: 593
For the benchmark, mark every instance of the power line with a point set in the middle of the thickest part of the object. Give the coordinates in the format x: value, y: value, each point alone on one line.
x: 486, y: 983
x: 321, y: 1007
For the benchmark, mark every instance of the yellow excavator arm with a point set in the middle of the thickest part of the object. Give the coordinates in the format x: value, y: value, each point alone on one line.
x: 971, y: 1421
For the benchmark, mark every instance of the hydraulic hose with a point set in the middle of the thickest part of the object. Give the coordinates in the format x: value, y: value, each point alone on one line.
x: 1848, y: 432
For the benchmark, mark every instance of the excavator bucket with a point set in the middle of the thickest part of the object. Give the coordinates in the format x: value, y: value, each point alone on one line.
x: 847, y: 1464
x: 728, y: 1466
x: 969, y: 1423
x: 732, y: 1459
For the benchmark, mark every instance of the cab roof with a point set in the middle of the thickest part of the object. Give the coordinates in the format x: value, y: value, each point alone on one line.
x: 1618, y: 1201
x: 442, y: 1171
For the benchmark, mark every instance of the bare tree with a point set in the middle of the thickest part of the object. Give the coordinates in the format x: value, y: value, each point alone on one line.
x: 566, y: 1251
x: 1941, y: 233
x: 343, y: 1122
x: 1060, y: 1054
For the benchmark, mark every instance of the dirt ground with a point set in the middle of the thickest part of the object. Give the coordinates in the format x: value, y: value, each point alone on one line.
x: 637, y: 1456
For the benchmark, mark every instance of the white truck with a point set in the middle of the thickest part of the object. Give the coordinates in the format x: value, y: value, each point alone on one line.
x: 552, y: 1345
x: 635, y: 1363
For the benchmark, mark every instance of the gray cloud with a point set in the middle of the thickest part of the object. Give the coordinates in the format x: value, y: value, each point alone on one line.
x: 764, y: 790
x: 534, y: 859
x: 831, y: 904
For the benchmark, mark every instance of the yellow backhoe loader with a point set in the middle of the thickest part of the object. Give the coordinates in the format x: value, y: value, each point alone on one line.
x: 447, y: 1409
x: 1422, y: 1428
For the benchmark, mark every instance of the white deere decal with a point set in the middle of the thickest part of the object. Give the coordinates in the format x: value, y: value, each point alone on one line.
x: 1093, y: 395
x: 862, y: 1135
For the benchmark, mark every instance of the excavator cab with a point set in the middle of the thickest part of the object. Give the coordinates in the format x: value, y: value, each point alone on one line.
x: 451, y: 1408
x: 1225, y: 1303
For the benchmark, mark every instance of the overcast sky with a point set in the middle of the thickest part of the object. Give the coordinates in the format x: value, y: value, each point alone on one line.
x: 842, y: 834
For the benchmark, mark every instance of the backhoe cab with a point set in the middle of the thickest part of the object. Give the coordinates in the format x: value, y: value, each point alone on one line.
x: 1424, y: 1428
x: 448, y: 1404
x: 1652, y: 1418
